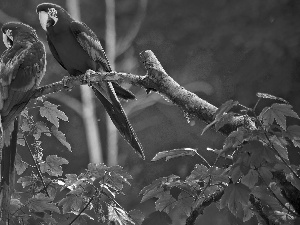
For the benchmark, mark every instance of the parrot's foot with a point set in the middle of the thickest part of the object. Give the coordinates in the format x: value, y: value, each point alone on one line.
x: 87, y: 76
x: 65, y: 81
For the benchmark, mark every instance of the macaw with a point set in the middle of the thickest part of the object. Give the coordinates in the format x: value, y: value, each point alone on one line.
x: 77, y: 49
x: 22, y: 67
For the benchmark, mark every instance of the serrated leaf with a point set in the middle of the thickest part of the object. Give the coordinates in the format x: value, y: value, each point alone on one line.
x: 20, y: 165
x: 234, y: 197
x: 264, y: 95
x: 277, y: 112
x: 39, y: 128
x: 199, y: 172
x: 61, y: 137
x: 174, y: 153
x: 52, y: 165
x: 293, y: 132
x: 165, y: 202
x: 41, y: 203
x: 250, y: 179
x: 71, y: 203
x: 118, y: 215
x: 52, y: 113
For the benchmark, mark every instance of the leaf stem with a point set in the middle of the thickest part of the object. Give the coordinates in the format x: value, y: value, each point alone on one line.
x: 37, y: 167
x: 275, y: 196
x: 84, y: 208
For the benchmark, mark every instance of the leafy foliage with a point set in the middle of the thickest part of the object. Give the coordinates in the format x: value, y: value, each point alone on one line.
x: 246, y: 187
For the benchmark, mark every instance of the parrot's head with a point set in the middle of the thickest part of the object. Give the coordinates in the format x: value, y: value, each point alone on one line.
x: 16, y: 31
x: 52, y: 15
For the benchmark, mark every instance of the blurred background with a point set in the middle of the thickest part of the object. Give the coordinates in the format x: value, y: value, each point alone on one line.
x: 218, y: 49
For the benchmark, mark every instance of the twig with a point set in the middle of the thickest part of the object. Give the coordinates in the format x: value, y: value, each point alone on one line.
x: 199, y: 209
x: 84, y: 208
x: 37, y: 167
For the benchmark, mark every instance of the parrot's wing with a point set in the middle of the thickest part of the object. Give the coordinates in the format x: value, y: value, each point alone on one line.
x: 104, y: 90
x: 20, y: 75
x: 54, y: 52
x: 90, y: 43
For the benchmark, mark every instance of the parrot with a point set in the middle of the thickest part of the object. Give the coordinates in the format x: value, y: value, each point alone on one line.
x: 22, y: 67
x: 78, y: 50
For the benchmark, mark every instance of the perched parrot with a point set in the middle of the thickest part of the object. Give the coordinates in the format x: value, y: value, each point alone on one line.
x: 77, y: 49
x: 22, y: 67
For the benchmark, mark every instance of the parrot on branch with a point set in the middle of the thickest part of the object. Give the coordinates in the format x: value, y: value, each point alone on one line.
x: 77, y: 49
x: 22, y: 67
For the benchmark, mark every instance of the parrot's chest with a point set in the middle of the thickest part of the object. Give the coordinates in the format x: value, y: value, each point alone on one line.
x: 74, y: 58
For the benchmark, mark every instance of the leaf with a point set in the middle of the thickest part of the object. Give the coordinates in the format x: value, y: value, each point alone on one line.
x: 156, y: 187
x: 71, y: 203
x: 263, y: 194
x: 52, y: 165
x: 277, y: 112
x: 236, y: 173
x: 226, y: 118
x: 250, y: 179
x: 264, y: 95
x: 175, y: 153
x: 235, y: 196
x: 295, y: 181
x: 20, y: 165
x: 39, y: 128
x: 52, y: 114
x: 282, y: 151
x: 234, y: 139
x: 118, y: 215
x: 218, y: 175
x: 158, y: 218
x: 266, y: 174
x: 224, y: 108
x: 165, y: 202
x: 185, y: 203
x: 137, y: 216
x: 27, y: 181
x: 61, y: 137
x: 293, y: 133
x: 41, y: 203
x: 199, y: 172
x: 21, y: 140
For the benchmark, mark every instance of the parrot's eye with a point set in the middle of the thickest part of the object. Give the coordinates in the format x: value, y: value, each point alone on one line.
x: 52, y: 13
x: 8, y: 38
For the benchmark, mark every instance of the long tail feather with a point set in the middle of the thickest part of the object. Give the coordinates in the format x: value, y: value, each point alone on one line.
x: 116, y: 112
x: 7, y: 165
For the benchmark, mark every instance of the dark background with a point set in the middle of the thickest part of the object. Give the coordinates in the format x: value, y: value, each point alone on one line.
x: 219, y: 49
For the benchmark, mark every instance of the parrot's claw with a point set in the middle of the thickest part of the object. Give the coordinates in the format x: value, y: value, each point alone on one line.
x: 87, y: 76
x: 65, y: 81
